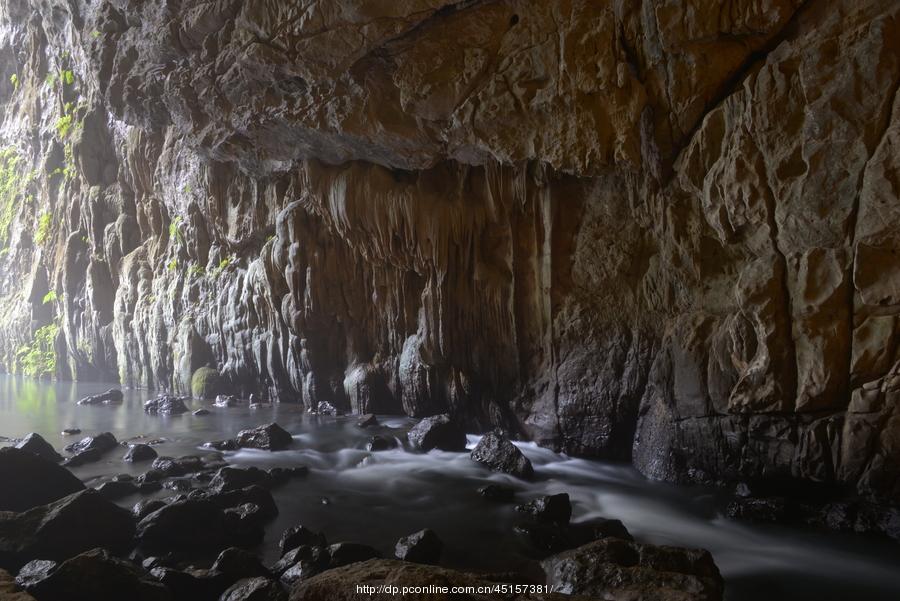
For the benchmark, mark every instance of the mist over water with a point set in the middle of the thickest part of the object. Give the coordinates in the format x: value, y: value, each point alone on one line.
x: 397, y: 492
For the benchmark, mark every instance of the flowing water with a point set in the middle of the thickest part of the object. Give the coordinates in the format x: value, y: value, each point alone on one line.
x: 397, y: 492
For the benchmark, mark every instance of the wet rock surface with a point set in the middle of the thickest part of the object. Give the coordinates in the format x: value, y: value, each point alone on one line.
x: 28, y: 480
x: 271, y: 437
x: 618, y: 569
x: 495, y: 451
x: 423, y: 546
x: 437, y: 432
x: 35, y: 444
x: 166, y: 405
x: 110, y: 397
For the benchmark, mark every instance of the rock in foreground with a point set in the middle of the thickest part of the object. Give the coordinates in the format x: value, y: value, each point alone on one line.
x: 423, y: 546
x: 63, y: 529
x: 34, y: 443
x: 27, y: 480
x: 497, y: 452
x: 96, y: 576
x: 624, y: 570
x: 8, y: 589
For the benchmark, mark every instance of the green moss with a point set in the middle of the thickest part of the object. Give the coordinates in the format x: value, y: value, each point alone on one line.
x: 43, y: 229
x: 12, y: 188
x: 38, y: 358
x: 50, y: 297
x: 196, y: 270
x: 173, y: 264
x: 206, y: 383
x: 14, y: 80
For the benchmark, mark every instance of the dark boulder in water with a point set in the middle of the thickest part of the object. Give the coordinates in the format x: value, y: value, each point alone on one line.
x: 381, y: 443
x: 117, y: 489
x: 111, y: 396
x: 234, y: 478
x: 497, y: 452
x: 91, y: 448
x: 165, y: 404
x: 140, y: 452
x: 95, y: 575
x: 549, y: 508
x: 270, y: 437
x: 300, y: 536
x: 35, y: 443
x: 63, y: 529
x: 28, y: 480
x: 437, y: 432
x: 497, y: 492
x: 255, y: 589
x: 423, y: 546
x: 186, y: 524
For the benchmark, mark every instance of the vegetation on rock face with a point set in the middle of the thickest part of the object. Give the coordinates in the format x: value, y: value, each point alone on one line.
x: 43, y: 229
x: 206, y: 383
x: 38, y: 358
x: 11, y: 190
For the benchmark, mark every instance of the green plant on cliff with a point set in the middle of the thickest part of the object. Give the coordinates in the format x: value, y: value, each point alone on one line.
x: 38, y: 358
x: 50, y: 297
x: 11, y: 189
x: 14, y: 80
x: 43, y: 229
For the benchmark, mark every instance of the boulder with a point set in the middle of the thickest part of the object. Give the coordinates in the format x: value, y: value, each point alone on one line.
x: 326, y: 408
x: 256, y: 495
x: 423, y: 546
x: 114, y: 490
x: 201, y: 412
x: 234, y: 478
x: 195, y: 523
x: 255, y: 589
x: 302, y: 562
x: 342, y: 554
x: 222, y: 445
x: 497, y: 492
x: 226, y: 400
x: 101, y: 443
x: 759, y: 509
x: 206, y: 383
x: 300, y: 536
x: 546, y: 538
x: 140, y: 452
x: 270, y: 437
x: 437, y: 432
x: 35, y: 572
x: 34, y: 443
x: 111, y: 396
x: 495, y: 451
x: 617, y: 569
x: 28, y: 480
x: 170, y: 467
x: 549, y: 508
x: 63, y: 529
x: 165, y: 404
x: 245, y: 524
x: 381, y: 443
x: 235, y: 564
x: 340, y: 584
x: 96, y: 576
x: 367, y: 421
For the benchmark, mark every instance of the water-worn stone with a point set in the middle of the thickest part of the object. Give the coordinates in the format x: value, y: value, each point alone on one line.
x: 497, y: 452
x: 270, y: 437
x: 165, y: 404
x: 300, y: 536
x: 381, y: 443
x: 437, y: 432
x: 96, y: 576
x: 110, y: 397
x: 115, y: 490
x: 140, y: 452
x: 101, y: 443
x: 617, y: 569
x: 549, y: 508
x: 423, y: 546
x: 185, y: 524
x: 63, y: 529
x: 206, y: 383
x: 35, y: 443
x: 29, y: 480
x: 255, y: 589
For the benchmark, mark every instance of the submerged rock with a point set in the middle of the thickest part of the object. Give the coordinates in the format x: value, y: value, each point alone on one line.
x: 111, y: 396
x: 165, y: 404
x: 224, y: 400
x: 234, y: 478
x: 618, y: 569
x: 423, y: 546
x: 437, y: 432
x: 381, y: 443
x: 35, y: 443
x: 367, y: 421
x: 497, y: 452
x: 549, y: 508
x: 270, y: 437
x: 63, y: 529
x: 28, y: 480
x: 497, y: 492
x: 115, y: 490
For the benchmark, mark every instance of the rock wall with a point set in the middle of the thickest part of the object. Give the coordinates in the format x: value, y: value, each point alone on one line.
x: 658, y: 230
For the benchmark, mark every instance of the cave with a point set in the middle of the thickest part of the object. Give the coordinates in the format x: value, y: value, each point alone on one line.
x: 432, y: 299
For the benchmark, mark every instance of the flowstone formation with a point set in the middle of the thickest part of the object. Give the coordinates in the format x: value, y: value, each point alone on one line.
x: 664, y: 231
